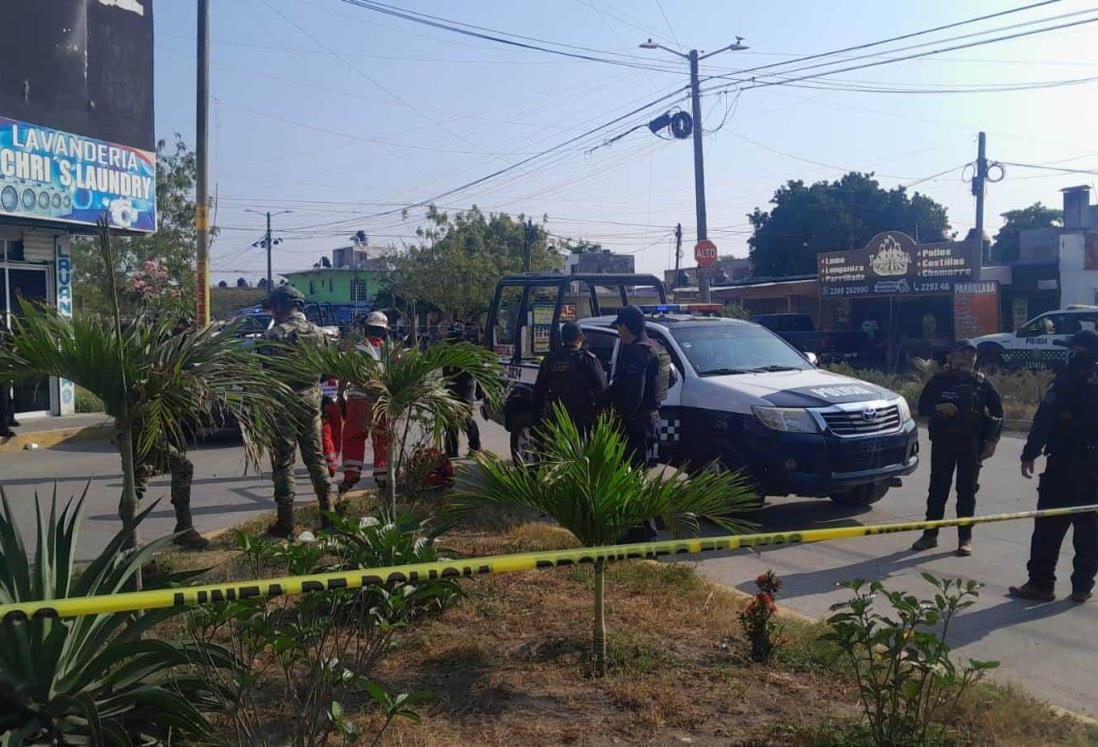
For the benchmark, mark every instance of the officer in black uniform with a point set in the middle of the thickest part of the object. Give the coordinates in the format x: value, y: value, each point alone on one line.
x: 641, y: 378
x: 1066, y: 430
x: 7, y: 407
x: 462, y: 386
x: 966, y: 420
x: 573, y: 377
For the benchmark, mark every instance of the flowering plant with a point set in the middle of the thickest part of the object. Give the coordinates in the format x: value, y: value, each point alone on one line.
x: 762, y: 633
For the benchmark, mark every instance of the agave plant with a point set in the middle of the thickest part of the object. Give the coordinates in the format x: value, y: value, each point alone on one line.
x: 160, y: 385
x: 92, y: 679
x: 409, y: 387
x: 589, y: 487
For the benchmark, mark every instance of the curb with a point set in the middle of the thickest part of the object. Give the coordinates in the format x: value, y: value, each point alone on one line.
x: 49, y: 439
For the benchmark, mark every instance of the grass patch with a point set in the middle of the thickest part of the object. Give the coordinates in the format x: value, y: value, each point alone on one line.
x: 86, y: 402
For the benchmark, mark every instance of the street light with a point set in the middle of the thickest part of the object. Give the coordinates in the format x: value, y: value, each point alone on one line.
x: 268, y: 243
x: 699, y: 167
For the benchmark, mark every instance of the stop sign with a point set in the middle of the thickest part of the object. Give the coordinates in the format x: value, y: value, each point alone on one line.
x: 705, y: 253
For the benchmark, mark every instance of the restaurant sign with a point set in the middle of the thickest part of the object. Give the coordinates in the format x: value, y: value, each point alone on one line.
x: 892, y: 264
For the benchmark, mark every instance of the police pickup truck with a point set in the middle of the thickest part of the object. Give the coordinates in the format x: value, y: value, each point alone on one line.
x: 1039, y: 343
x: 741, y: 397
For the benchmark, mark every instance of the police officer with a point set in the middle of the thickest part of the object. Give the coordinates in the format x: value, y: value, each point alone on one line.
x: 641, y: 378
x: 966, y: 420
x: 463, y: 387
x: 1066, y: 430
x: 573, y: 377
x: 301, y: 428
x: 7, y: 408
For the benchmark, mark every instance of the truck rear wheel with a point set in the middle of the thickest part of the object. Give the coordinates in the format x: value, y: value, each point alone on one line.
x: 523, y: 451
x: 863, y: 495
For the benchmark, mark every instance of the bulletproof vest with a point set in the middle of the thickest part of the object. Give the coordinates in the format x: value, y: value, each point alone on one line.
x: 1076, y: 430
x: 963, y: 390
x: 663, y: 377
x: 570, y: 384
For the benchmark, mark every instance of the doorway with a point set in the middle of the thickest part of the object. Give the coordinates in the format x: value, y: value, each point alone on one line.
x: 26, y: 282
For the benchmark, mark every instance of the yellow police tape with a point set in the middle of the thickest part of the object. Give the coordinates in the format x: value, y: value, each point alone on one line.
x: 236, y: 590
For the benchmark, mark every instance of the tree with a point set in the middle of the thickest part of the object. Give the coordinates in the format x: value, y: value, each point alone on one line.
x: 241, y: 283
x: 408, y: 386
x: 172, y: 247
x: 807, y: 220
x: 588, y: 486
x: 1008, y: 241
x: 223, y: 284
x: 159, y: 385
x: 466, y: 255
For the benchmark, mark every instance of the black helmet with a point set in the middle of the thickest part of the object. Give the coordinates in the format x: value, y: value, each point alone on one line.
x: 1086, y: 341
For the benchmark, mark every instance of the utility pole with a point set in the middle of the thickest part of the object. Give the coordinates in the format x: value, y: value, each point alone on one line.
x: 979, y: 180
x: 268, y: 243
x: 527, y: 241
x: 694, y: 57
x: 699, y: 171
x: 202, y: 122
x: 678, y: 254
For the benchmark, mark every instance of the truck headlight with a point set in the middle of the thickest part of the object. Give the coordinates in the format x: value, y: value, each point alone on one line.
x: 788, y: 419
x: 905, y: 410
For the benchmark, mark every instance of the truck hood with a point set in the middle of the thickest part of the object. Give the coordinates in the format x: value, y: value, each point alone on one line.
x: 807, y: 388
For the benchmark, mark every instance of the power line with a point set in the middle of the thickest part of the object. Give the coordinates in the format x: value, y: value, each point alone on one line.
x: 887, y: 61
x: 493, y: 35
x: 668, y: 22
x: 1049, y: 168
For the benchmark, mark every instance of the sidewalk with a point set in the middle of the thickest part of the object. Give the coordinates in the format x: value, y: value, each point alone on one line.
x: 47, y: 432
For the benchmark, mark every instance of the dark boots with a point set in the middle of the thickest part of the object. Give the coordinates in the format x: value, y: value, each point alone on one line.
x: 283, y: 528
x: 186, y: 536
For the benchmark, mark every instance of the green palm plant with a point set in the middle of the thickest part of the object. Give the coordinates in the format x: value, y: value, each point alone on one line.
x: 92, y: 679
x: 160, y: 385
x: 589, y: 487
x: 409, y: 387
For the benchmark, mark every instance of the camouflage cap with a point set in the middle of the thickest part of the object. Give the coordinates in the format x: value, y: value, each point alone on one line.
x: 287, y: 295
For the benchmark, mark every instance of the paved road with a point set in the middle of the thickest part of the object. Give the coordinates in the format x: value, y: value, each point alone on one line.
x: 1048, y: 648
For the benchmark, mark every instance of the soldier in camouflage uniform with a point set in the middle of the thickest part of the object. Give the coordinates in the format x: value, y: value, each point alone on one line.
x: 171, y: 460
x: 301, y: 428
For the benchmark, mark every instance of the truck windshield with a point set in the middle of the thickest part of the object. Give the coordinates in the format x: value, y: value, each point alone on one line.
x: 721, y: 349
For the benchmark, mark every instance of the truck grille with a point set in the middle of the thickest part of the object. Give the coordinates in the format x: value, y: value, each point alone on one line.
x: 863, y: 422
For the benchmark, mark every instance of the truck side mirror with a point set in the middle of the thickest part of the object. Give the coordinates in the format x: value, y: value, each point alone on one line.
x: 812, y: 358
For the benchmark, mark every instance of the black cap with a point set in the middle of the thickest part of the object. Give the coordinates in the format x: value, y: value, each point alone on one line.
x: 570, y: 332
x: 631, y: 318
x: 963, y: 346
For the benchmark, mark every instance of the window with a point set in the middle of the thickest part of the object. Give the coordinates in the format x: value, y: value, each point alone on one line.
x: 601, y: 343
x: 1053, y: 324
x: 719, y: 349
x: 331, y: 285
x: 360, y: 292
x: 312, y: 288
x: 12, y: 250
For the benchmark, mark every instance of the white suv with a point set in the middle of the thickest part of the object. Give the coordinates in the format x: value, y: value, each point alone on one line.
x: 1040, y: 342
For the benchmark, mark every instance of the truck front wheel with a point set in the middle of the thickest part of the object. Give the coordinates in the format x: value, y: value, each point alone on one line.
x: 523, y: 451
x: 863, y: 495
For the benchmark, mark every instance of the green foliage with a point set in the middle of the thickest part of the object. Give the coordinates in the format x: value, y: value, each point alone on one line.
x: 476, y: 248
x: 164, y: 384
x: 409, y: 387
x: 806, y: 220
x: 589, y: 487
x: 305, y: 659
x: 93, y: 679
x: 172, y: 247
x: 907, y: 679
x: 86, y: 401
x: 1008, y: 241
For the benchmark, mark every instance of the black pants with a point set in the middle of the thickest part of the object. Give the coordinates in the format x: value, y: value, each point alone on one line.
x: 472, y: 432
x: 640, y: 437
x: 949, y: 456
x: 1065, y: 483
x: 7, y: 407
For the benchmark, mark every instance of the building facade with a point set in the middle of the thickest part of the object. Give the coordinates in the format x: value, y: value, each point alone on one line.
x: 77, y: 145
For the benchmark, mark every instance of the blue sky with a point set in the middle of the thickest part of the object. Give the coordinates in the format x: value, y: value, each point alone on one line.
x: 338, y: 113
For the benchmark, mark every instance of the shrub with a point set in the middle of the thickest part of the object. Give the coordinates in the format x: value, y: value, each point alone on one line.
x: 761, y: 632
x: 93, y: 679
x: 86, y: 401
x: 907, y: 679
x: 320, y: 650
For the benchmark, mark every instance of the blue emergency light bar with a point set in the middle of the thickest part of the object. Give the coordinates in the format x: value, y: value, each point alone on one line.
x: 681, y: 308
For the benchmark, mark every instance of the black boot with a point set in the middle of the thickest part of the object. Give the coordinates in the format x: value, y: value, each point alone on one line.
x: 186, y: 536
x: 283, y: 528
